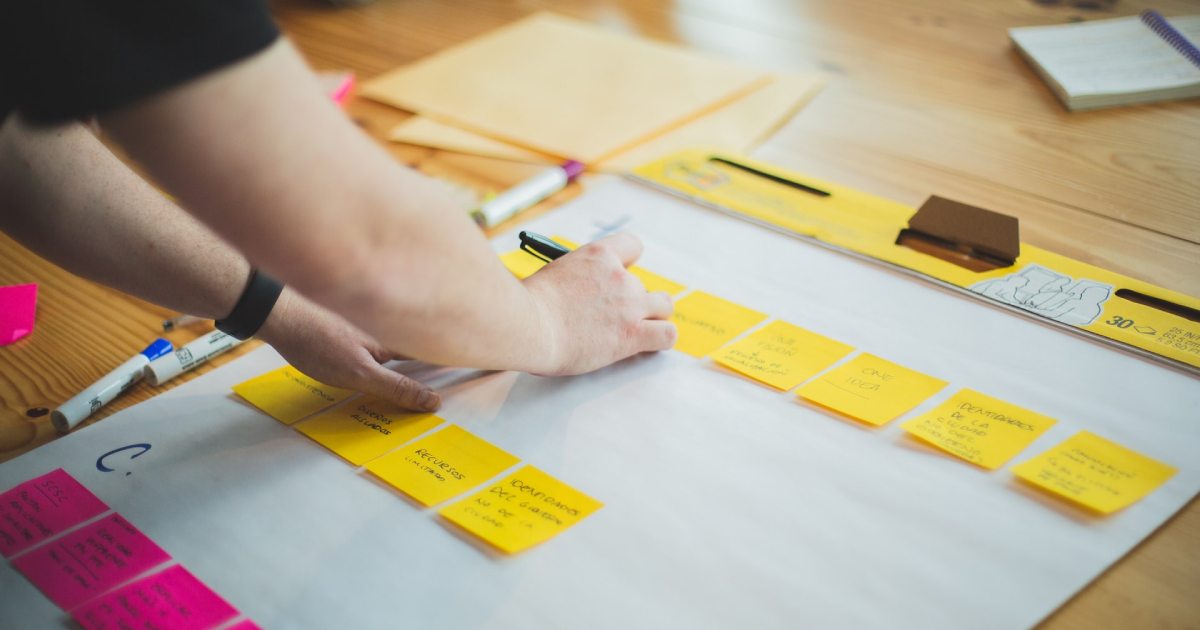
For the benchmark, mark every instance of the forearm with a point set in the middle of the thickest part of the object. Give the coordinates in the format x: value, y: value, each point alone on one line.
x: 68, y: 198
x: 257, y: 152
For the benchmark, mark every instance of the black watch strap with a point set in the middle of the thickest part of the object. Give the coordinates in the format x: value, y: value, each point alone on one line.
x: 253, y: 308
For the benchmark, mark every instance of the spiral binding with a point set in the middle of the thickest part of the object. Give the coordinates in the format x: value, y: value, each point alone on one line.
x: 1163, y: 29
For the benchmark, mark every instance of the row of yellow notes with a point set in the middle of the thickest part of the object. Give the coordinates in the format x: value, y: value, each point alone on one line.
x: 980, y: 429
x: 524, y: 509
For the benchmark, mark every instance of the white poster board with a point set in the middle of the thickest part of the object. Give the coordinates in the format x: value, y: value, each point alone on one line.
x: 728, y: 504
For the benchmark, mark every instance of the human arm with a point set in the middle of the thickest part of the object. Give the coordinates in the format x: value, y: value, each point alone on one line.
x: 68, y: 198
x: 256, y: 151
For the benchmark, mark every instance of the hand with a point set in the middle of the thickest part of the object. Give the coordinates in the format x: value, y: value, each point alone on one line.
x: 327, y: 348
x: 594, y: 312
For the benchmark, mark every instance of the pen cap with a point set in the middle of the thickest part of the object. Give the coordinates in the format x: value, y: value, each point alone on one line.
x: 573, y: 169
x: 163, y: 369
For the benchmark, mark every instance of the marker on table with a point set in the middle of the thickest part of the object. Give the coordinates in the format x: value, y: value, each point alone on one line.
x: 190, y: 356
x: 181, y: 321
x: 90, y: 400
x: 541, y: 247
x: 508, y: 203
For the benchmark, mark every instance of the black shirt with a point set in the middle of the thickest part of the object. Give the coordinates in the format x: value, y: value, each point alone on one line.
x: 64, y: 59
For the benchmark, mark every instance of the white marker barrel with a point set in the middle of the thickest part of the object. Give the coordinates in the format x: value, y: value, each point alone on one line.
x: 68, y: 415
x: 190, y: 356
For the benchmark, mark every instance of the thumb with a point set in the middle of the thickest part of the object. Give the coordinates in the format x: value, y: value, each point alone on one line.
x: 409, y: 394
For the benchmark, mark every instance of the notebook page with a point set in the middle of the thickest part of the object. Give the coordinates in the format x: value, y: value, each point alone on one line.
x: 1110, y: 56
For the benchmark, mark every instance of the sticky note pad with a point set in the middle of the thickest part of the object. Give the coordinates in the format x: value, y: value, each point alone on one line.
x: 781, y: 355
x: 288, y: 395
x: 90, y: 561
x: 367, y: 428
x: 706, y: 322
x: 978, y: 428
x: 172, y: 599
x: 654, y: 282
x: 524, y: 509
x: 40, y: 508
x: 871, y: 389
x: 442, y: 465
x: 1095, y: 472
x: 18, y: 305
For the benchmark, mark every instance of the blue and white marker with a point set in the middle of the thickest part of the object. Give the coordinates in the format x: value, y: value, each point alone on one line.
x: 90, y: 400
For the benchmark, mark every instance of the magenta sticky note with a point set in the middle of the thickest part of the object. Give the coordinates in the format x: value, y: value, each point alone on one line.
x: 43, y: 507
x: 244, y: 625
x: 90, y: 561
x: 171, y: 599
x: 18, y: 304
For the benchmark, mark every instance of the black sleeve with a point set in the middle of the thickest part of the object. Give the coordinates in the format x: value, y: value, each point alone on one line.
x: 64, y: 59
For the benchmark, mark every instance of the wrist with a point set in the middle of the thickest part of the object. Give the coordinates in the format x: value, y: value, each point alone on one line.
x: 280, y: 318
x: 546, y: 350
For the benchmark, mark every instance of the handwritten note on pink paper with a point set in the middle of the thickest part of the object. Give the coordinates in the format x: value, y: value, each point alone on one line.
x: 18, y: 303
x: 90, y: 561
x: 41, y: 508
x: 171, y: 599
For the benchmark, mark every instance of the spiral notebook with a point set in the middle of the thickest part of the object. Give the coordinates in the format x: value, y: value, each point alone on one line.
x: 1106, y: 63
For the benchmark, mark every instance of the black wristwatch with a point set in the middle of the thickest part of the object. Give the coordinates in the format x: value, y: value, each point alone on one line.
x: 253, y: 307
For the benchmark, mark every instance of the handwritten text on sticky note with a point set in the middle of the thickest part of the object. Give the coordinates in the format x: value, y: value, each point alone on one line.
x: 288, y: 395
x: 90, y: 561
x: 980, y: 429
x: 871, y: 389
x: 781, y: 355
x: 706, y: 322
x: 40, y: 508
x: 441, y: 465
x: 366, y: 428
x: 172, y: 599
x: 1095, y: 472
x: 523, y: 509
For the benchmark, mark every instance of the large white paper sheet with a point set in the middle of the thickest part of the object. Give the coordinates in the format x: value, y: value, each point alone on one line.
x: 728, y: 505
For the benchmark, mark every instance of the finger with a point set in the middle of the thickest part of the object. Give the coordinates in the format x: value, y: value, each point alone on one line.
x: 627, y: 247
x: 655, y: 335
x: 661, y: 305
x: 409, y: 394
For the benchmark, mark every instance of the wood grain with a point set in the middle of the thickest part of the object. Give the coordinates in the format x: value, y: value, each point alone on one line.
x: 925, y: 96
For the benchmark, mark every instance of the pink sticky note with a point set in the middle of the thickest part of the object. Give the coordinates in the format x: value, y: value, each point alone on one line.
x: 90, y: 561
x: 172, y: 599
x: 17, y: 306
x: 41, y: 508
x: 244, y: 625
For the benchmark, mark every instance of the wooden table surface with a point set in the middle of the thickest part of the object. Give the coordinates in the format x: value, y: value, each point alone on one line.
x: 924, y: 96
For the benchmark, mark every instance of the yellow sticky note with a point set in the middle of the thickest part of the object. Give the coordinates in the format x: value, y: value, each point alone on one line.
x: 367, y: 428
x: 1095, y: 472
x: 288, y: 395
x: 442, y: 465
x: 781, y: 355
x: 706, y: 322
x: 522, y: 264
x: 871, y: 389
x: 980, y: 429
x: 654, y: 282
x: 524, y: 509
